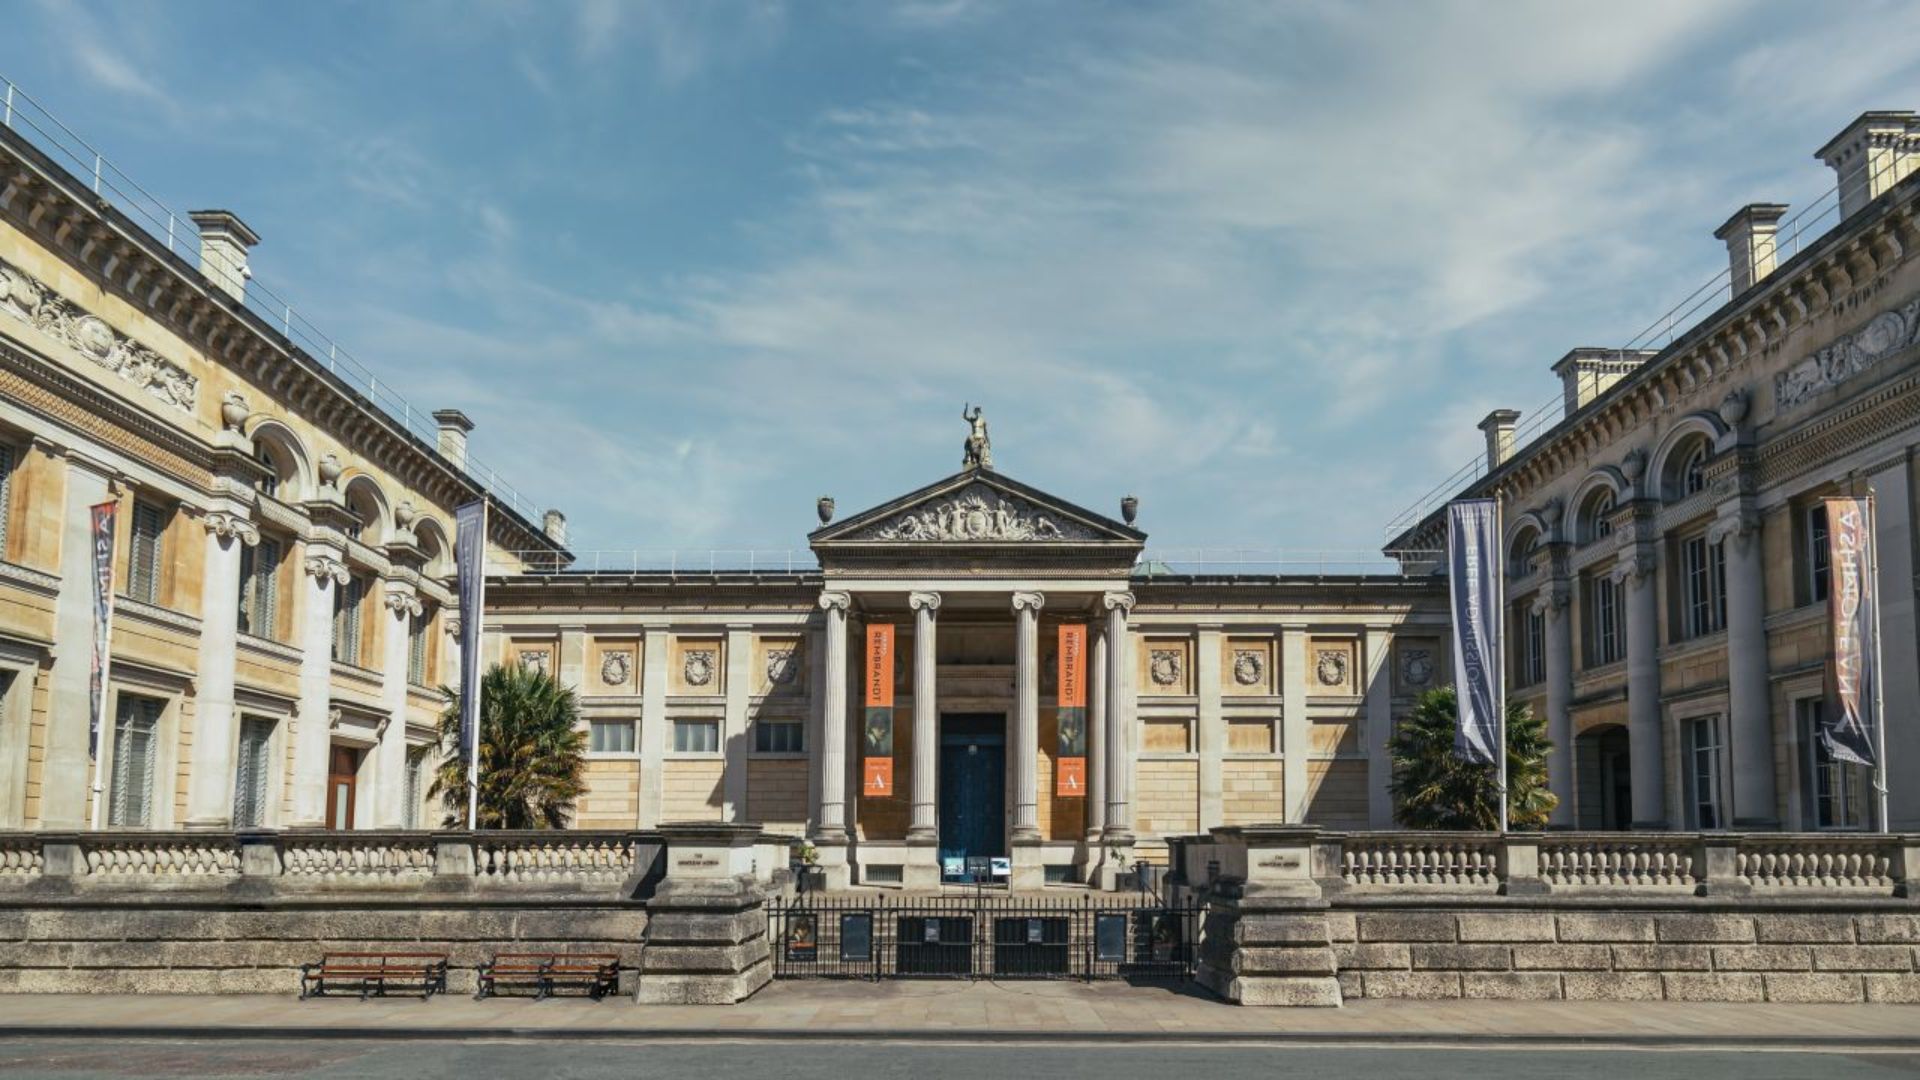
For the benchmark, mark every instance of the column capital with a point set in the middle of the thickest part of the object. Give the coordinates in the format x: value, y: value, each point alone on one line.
x: 228, y: 525
x: 326, y: 566
x: 450, y: 621
x: 1122, y: 601
x: 1633, y: 565
x: 924, y: 601
x: 1023, y: 601
x: 1738, y: 519
x: 834, y: 600
x: 1552, y: 598
x: 402, y: 601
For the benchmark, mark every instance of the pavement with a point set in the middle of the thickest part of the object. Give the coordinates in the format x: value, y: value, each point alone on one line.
x: 976, y: 1012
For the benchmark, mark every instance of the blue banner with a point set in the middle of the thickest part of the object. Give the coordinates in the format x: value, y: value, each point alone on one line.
x: 1848, y: 731
x: 470, y: 559
x: 1473, y: 578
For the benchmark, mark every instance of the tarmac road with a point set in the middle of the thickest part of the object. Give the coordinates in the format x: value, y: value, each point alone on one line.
x: 564, y: 1059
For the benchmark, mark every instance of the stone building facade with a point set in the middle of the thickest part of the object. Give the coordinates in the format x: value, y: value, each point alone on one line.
x: 1214, y: 700
x: 283, y: 562
x: 1665, y: 562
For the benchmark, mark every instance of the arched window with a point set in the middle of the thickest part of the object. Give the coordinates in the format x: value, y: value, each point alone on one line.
x: 1520, y: 558
x: 1595, y: 519
x: 1685, y: 472
x: 280, y: 461
x: 1693, y: 471
x: 369, y: 511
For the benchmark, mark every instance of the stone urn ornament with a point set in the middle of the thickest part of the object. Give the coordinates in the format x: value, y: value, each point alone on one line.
x: 824, y: 507
x: 1129, y: 509
x: 234, y: 411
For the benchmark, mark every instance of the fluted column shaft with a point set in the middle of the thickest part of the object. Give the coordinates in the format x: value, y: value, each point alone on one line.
x: 210, y: 780
x: 1097, y: 749
x: 1119, y: 701
x: 1026, y: 728
x: 924, y: 826
x: 832, y: 828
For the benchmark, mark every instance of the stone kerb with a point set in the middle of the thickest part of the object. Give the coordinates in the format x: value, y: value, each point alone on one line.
x: 706, y: 940
x: 1266, y: 938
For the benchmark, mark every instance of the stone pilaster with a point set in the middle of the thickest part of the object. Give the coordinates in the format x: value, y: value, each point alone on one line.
x: 1554, y: 602
x: 1210, y: 735
x: 653, y: 725
x: 68, y: 771
x: 400, y: 606
x: 832, y: 757
x: 323, y: 571
x: 1749, y: 693
x: 210, y: 778
x: 1119, y: 704
x: 706, y: 937
x: 1026, y: 726
x: 923, y: 833
x: 1097, y: 738
x: 1646, y: 752
x: 1296, y: 727
x: 1379, y: 728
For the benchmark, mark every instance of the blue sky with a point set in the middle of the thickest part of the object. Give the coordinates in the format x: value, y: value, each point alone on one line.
x: 691, y: 265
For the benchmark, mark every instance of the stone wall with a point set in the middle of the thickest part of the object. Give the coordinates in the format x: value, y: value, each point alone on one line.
x: 1755, y: 951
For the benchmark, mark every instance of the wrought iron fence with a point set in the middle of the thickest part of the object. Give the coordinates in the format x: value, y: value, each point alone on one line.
x: 983, y: 936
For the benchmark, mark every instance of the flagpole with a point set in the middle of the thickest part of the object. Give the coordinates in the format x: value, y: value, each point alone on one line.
x: 106, y: 664
x: 1879, y: 711
x: 1500, y: 655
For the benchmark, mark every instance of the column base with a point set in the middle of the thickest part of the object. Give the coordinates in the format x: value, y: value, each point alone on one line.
x: 928, y: 835
x: 1029, y: 871
x: 835, y: 871
x: 922, y: 868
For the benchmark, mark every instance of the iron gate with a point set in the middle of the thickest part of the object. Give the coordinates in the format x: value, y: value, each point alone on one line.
x: 982, y: 936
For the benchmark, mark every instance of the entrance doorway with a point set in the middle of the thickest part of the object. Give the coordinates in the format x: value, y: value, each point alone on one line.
x: 1602, y: 756
x: 342, y: 766
x: 973, y: 795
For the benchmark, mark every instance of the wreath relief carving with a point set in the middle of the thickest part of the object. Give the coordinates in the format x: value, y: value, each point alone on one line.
x: 1249, y: 667
x: 698, y: 668
x: 1166, y: 667
x: 615, y: 668
x: 1331, y: 667
x: 783, y: 666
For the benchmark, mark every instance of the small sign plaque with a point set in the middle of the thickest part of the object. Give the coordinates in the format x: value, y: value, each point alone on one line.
x: 856, y: 937
x: 1110, y: 937
x: 1002, y: 866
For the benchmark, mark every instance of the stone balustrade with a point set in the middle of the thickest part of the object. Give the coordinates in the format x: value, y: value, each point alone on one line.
x: 535, y: 860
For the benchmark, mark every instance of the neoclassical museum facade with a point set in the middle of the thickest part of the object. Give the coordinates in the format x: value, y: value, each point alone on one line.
x: 284, y: 588
x: 1211, y: 700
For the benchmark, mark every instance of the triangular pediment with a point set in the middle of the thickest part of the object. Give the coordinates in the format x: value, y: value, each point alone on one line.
x: 974, y: 508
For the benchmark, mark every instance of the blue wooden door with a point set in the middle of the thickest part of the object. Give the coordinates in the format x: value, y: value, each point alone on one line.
x: 973, y: 784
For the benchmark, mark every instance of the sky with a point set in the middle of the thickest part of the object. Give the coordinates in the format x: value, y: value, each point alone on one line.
x: 691, y: 265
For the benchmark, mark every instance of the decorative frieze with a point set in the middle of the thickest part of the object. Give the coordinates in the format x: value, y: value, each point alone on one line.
x: 33, y: 302
x: 976, y: 513
x: 1887, y: 333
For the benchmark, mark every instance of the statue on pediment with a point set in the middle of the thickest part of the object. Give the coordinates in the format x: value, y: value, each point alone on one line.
x: 978, y: 453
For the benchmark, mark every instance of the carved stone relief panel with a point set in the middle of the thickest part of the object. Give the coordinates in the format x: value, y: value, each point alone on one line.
x: 782, y: 666
x: 1165, y: 666
x: 1419, y: 665
x: 534, y: 657
x: 1333, y: 667
x: 31, y: 301
x: 616, y: 667
x: 698, y: 666
x: 977, y: 513
x: 1247, y: 666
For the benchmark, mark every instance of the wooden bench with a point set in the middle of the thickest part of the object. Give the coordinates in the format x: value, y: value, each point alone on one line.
x: 597, y: 973
x: 373, y: 973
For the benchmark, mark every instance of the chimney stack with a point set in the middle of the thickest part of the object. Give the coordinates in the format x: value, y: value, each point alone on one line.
x: 554, y: 524
x: 454, y: 426
x: 224, y: 243
x: 1499, y: 428
x: 1749, y: 235
x: 1874, y: 153
x: 1586, y: 373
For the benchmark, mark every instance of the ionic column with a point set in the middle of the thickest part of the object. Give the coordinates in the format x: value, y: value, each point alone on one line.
x: 69, y: 770
x: 1026, y: 727
x: 1097, y: 738
x: 390, y: 757
x: 210, y: 778
x: 1750, y: 728
x: 1119, y: 701
x: 1552, y: 601
x: 832, y: 828
x: 324, y: 572
x: 1645, y: 750
x: 925, y: 825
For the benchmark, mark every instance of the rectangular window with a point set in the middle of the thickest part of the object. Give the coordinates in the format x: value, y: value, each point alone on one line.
x: 1703, y: 773
x: 416, y: 790
x: 251, y: 769
x: 1836, y: 790
x: 136, y: 733
x: 417, y: 650
x: 6, y: 492
x: 1605, y: 644
x: 779, y: 737
x: 1533, y: 647
x: 346, y: 620
x: 143, y: 553
x: 1704, y: 577
x: 610, y: 736
x: 1819, y: 574
x: 696, y: 737
x: 260, y: 587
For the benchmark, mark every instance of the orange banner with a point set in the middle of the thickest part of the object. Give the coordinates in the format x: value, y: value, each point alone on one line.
x: 876, y: 740
x: 1070, y: 746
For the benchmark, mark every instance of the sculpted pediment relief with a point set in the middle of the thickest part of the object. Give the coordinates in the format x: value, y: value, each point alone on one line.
x: 976, y: 513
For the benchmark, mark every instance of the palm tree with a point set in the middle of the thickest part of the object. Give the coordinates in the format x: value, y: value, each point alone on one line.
x: 1434, y: 788
x: 532, y: 757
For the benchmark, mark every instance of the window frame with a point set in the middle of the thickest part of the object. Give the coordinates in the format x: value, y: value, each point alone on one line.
x: 120, y: 767
x: 1532, y: 645
x: 765, y: 743
x: 631, y: 740
x: 1818, y: 572
x: 260, y: 588
x: 347, y: 641
x: 9, y: 461
x: 1711, y: 755
x: 144, y: 567
x: 686, y: 724
x: 1604, y: 633
x: 417, y: 629
x: 1855, y: 782
x: 261, y: 785
x: 1703, y: 586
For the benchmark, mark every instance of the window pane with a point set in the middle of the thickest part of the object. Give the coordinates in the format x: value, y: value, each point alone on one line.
x: 252, y: 769
x: 778, y: 737
x: 131, y: 800
x: 610, y: 736
x: 696, y: 736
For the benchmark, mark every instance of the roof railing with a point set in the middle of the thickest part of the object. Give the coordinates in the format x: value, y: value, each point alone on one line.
x: 177, y: 232
x: 1794, y: 233
x: 1153, y: 562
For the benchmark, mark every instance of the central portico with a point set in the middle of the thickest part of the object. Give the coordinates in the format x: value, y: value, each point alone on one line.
x: 978, y: 572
